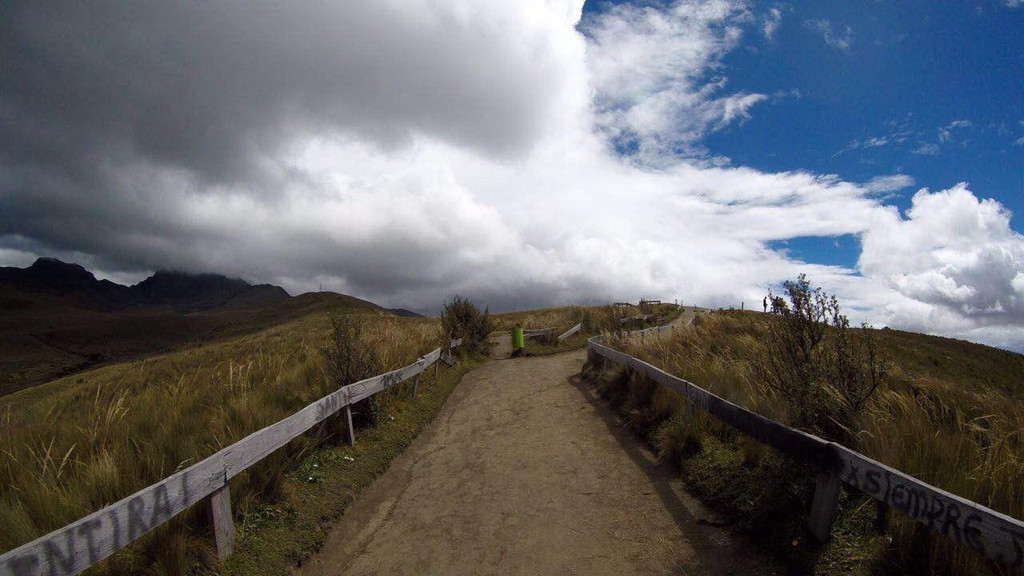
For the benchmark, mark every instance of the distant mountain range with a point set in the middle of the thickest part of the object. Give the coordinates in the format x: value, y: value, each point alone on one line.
x: 56, y: 318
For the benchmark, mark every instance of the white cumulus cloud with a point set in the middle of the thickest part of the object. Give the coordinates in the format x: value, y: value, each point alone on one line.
x: 956, y: 261
x: 838, y: 40
x: 656, y: 74
x: 406, y: 151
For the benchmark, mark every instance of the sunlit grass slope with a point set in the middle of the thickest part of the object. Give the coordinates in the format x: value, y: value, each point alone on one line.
x: 76, y: 444
x: 595, y: 319
x: 950, y: 413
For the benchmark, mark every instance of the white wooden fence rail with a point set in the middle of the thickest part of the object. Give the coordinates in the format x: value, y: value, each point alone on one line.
x: 79, y: 545
x: 634, y: 318
x: 570, y: 332
x: 995, y: 536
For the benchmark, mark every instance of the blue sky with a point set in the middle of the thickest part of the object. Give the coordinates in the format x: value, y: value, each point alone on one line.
x: 932, y: 90
x: 529, y: 153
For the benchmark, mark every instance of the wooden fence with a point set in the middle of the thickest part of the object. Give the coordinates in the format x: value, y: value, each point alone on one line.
x: 79, y: 545
x: 570, y: 332
x: 996, y: 536
x: 539, y: 333
x: 634, y: 318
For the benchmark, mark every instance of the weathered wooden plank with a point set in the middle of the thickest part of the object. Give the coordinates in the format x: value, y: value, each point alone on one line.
x: 370, y: 386
x: 641, y: 332
x: 823, y: 508
x: 783, y: 438
x: 258, y: 445
x: 448, y: 358
x: 539, y: 333
x: 349, y: 429
x: 72, y: 549
x: 570, y: 332
x: 75, y: 547
x: 634, y: 318
x: 366, y: 388
x: 219, y: 512
x: 996, y: 536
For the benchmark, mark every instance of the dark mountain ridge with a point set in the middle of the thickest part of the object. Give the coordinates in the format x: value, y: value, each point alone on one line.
x: 56, y: 318
x: 185, y: 291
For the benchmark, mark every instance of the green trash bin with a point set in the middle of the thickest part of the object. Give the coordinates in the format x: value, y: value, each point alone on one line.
x: 517, y: 341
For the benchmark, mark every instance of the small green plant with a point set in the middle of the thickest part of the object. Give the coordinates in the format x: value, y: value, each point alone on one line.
x: 462, y: 319
x: 824, y: 370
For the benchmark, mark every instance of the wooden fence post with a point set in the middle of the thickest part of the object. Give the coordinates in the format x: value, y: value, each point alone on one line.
x: 436, y: 363
x: 348, y: 421
x: 823, y: 510
x: 415, y: 385
x: 218, y: 509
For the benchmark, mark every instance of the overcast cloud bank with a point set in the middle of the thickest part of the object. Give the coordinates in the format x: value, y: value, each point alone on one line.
x: 406, y: 151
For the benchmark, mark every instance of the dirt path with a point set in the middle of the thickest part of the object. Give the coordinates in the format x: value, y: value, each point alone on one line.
x: 525, y: 471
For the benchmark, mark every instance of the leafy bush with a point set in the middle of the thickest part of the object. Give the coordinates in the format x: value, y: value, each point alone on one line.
x: 348, y: 358
x: 824, y: 370
x: 462, y: 319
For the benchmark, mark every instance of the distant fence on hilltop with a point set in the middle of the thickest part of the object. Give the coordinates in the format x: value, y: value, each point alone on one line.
x: 79, y: 545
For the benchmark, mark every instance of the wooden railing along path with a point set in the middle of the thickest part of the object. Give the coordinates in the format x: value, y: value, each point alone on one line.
x: 995, y: 536
x: 570, y: 332
x: 538, y: 333
x: 640, y: 318
x: 545, y: 332
x: 79, y: 545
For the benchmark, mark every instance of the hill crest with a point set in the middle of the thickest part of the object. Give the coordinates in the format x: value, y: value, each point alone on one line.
x: 58, y: 318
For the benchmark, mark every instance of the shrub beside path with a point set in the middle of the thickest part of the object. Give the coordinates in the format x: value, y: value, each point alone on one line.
x: 526, y: 471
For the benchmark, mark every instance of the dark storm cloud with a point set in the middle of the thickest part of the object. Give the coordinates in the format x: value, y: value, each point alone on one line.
x: 103, y: 103
x: 406, y: 150
x: 208, y: 86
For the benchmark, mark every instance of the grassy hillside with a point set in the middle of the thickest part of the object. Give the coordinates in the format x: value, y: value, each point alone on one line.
x: 949, y: 413
x: 44, y: 336
x: 595, y: 319
x: 73, y: 445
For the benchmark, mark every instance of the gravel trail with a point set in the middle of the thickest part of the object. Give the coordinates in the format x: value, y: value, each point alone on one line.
x: 526, y: 471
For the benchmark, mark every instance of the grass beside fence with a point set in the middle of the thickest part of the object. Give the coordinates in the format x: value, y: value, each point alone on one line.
x: 74, y: 445
x: 274, y: 537
x: 593, y: 320
x: 950, y: 414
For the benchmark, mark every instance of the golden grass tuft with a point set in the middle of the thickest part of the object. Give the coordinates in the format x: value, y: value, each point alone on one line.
x: 76, y: 444
x: 950, y: 414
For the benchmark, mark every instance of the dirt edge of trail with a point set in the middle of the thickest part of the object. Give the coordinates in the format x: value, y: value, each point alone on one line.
x: 526, y: 471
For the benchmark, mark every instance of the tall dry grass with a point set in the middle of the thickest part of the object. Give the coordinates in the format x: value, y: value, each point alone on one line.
x: 74, y: 445
x: 534, y: 319
x: 960, y: 428
x: 595, y: 319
